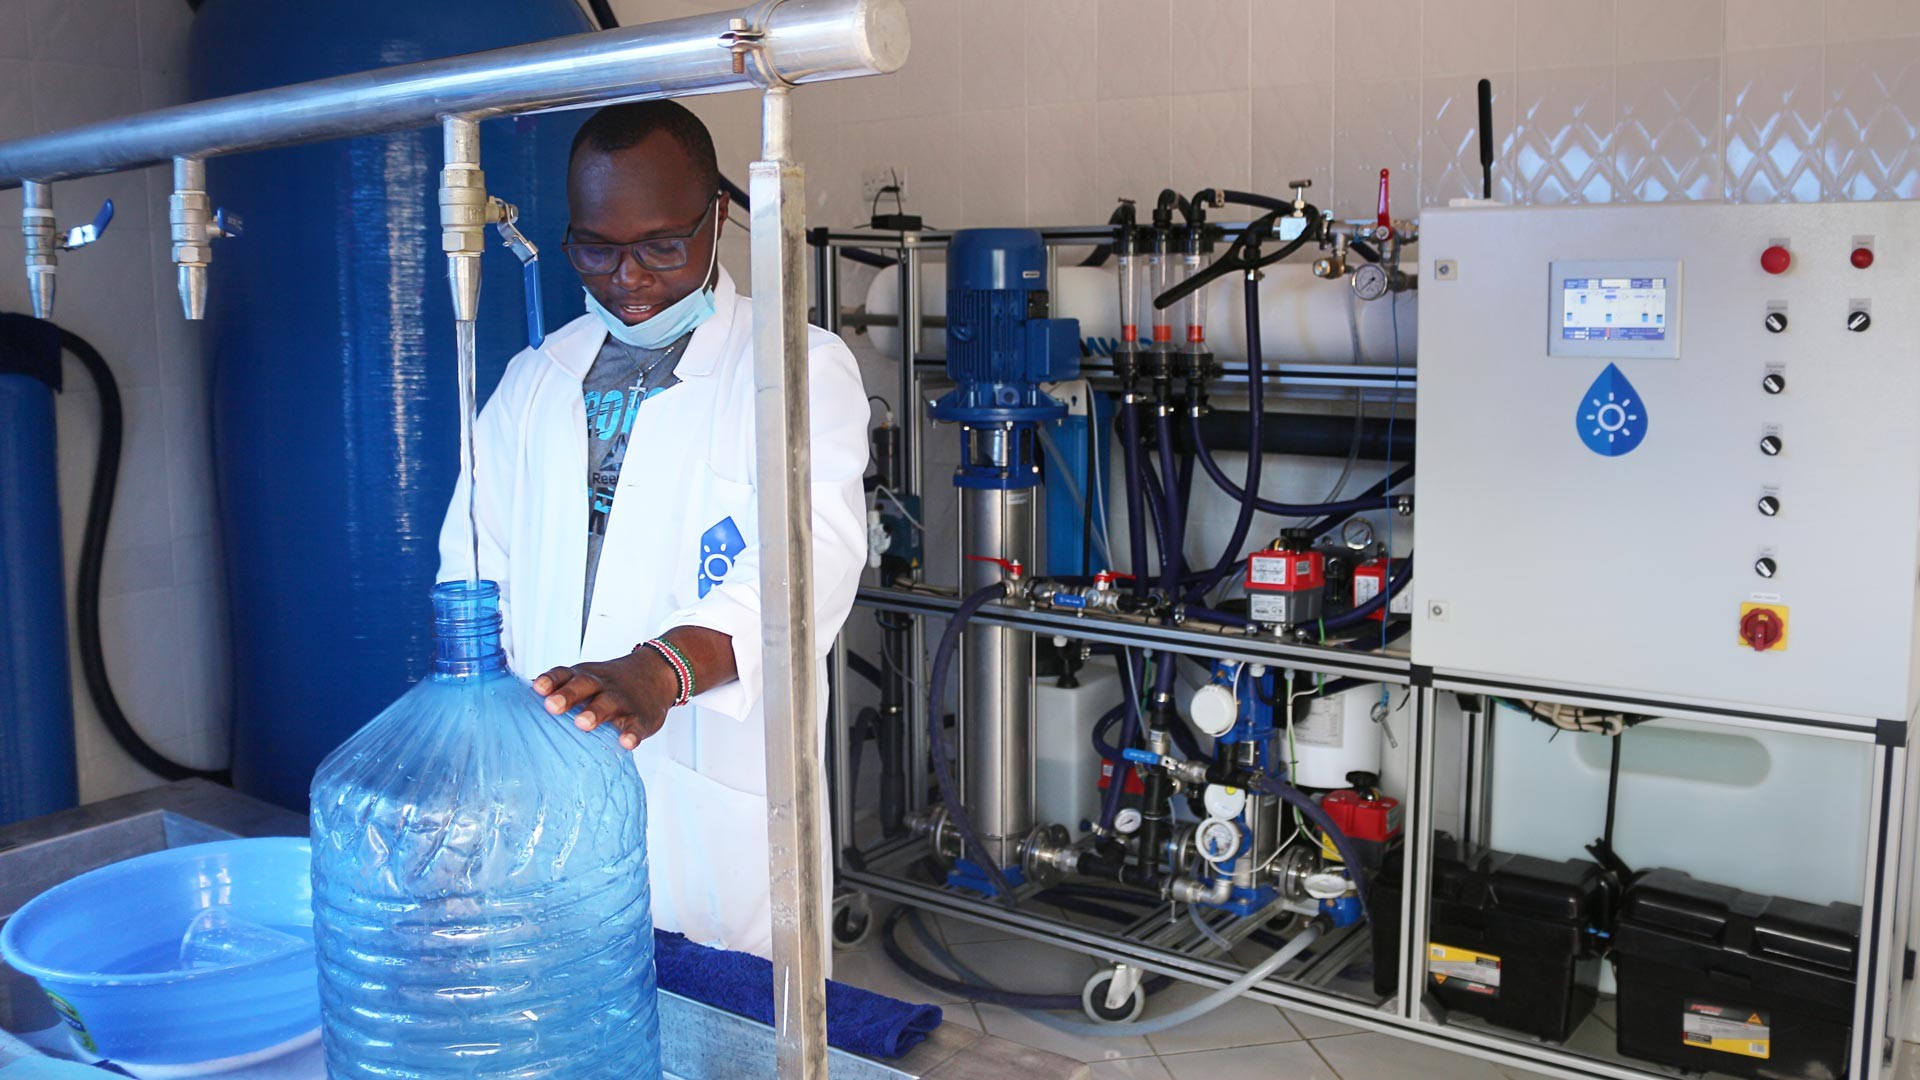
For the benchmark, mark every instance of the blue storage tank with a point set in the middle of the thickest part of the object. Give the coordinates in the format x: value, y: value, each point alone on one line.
x: 330, y: 332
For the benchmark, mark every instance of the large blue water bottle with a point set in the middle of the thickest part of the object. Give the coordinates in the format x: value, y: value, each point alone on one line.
x: 481, y: 907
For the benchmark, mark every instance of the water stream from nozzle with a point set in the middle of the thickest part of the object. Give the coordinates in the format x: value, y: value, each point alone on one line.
x: 463, y: 346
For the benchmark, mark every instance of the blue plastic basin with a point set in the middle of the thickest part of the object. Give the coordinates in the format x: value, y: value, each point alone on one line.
x: 105, y: 947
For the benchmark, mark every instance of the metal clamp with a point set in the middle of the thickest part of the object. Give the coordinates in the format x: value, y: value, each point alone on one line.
x: 746, y: 36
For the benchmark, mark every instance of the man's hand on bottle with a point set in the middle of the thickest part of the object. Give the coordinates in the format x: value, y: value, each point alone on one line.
x: 632, y: 693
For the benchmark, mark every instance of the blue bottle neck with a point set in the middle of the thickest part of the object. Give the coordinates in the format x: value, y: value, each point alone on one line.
x: 466, y: 629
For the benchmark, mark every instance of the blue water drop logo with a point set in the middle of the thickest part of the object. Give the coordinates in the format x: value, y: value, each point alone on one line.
x: 1611, y: 419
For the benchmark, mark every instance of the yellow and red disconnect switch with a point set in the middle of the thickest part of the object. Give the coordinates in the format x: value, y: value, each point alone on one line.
x: 1763, y: 627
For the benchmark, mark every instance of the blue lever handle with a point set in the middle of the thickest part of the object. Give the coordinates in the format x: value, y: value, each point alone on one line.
x: 102, y: 219
x: 530, y: 285
x: 1140, y: 757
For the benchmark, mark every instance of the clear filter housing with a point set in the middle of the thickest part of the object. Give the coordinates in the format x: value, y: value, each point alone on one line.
x: 481, y: 905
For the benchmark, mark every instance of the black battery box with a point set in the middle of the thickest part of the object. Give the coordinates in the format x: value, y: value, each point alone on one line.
x: 1715, y: 979
x: 1509, y: 937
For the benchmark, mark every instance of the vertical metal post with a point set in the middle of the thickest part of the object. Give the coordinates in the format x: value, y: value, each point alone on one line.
x: 785, y: 469
x: 1417, y: 857
x: 912, y: 419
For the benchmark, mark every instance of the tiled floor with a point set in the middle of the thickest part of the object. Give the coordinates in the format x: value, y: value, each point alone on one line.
x: 1244, y: 1040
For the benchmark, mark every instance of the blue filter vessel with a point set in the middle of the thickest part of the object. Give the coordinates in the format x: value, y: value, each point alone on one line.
x: 37, y: 770
x: 480, y: 896
x: 330, y: 332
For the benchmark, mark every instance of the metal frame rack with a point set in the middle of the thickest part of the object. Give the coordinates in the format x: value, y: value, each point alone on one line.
x: 1450, y: 752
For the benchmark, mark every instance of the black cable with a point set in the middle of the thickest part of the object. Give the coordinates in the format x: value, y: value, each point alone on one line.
x: 864, y: 668
x: 93, y: 548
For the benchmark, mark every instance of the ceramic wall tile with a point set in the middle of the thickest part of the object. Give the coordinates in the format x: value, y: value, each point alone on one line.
x: 1563, y: 136
x: 1062, y: 54
x: 1376, y: 126
x: 1668, y: 132
x: 993, y: 62
x: 1870, y: 142
x: 1211, y: 44
x: 1211, y: 140
x: 1450, y: 144
x: 1293, y: 138
x: 1553, y: 34
x: 1133, y: 48
x: 993, y: 167
x: 1771, y: 139
x: 1292, y: 42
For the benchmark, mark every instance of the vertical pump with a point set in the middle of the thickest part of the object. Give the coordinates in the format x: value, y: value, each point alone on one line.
x: 1001, y: 345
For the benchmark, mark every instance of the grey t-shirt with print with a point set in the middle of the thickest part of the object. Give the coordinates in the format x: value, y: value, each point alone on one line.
x: 616, y: 388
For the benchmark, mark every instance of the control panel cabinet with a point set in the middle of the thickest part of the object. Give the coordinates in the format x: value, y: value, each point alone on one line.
x: 1673, y: 452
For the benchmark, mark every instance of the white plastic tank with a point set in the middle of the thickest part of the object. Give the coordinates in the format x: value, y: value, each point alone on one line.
x: 1335, y: 735
x: 1066, y: 771
x: 1303, y: 319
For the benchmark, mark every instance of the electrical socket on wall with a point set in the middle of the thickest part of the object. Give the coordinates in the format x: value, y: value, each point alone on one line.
x: 874, y: 180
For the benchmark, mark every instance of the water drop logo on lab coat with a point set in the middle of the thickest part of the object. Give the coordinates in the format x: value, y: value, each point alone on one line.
x: 1611, y: 419
x: 719, y: 546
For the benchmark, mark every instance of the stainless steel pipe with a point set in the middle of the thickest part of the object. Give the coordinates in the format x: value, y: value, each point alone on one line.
x: 996, y: 680
x: 801, y: 41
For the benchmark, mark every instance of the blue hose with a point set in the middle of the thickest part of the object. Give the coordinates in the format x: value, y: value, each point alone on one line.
x: 1256, y: 376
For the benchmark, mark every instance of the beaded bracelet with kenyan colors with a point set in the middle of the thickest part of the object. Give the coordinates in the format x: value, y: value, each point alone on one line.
x: 676, y: 660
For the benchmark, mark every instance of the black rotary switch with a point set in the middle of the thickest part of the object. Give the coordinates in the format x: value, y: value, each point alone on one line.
x: 1765, y: 567
x: 1776, y: 321
x: 1773, y: 382
x: 1769, y: 505
x: 1859, y: 321
x: 1770, y: 445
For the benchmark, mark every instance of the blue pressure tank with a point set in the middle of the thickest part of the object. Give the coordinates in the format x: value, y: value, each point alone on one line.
x: 330, y: 330
x: 37, y: 769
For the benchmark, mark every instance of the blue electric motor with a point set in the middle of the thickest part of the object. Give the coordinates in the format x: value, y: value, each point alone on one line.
x: 1000, y: 347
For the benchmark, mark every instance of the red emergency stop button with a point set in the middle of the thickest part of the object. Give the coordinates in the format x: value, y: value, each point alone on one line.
x: 1862, y: 257
x: 1763, y: 627
x: 1776, y: 259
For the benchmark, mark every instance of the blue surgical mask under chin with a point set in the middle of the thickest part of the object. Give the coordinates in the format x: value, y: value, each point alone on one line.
x: 670, y: 323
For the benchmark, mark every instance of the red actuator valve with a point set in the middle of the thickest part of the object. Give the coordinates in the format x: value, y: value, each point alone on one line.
x: 1776, y: 259
x: 1105, y: 579
x: 1011, y: 566
x: 1383, y: 218
x: 1762, y: 628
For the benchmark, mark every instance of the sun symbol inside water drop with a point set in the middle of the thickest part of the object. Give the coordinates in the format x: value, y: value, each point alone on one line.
x: 1611, y: 417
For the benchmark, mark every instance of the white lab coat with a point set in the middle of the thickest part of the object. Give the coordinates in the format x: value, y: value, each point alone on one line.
x: 689, y: 468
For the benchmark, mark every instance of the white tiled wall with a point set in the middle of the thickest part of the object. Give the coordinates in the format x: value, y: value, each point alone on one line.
x: 64, y: 62
x: 1045, y: 111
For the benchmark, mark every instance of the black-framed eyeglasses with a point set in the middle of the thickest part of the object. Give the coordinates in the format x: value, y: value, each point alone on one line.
x: 657, y: 253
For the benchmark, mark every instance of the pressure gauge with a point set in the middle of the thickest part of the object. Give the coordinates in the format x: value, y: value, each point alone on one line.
x: 1219, y: 839
x: 1126, y: 822
x: 1370, y: 281
x: 1357, y: 534
x: 1224, y: 802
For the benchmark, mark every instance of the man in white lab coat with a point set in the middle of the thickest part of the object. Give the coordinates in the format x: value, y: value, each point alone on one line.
x: 615, y: 505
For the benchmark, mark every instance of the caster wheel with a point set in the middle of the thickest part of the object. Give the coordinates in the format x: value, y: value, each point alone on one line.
x: 853, y: 924
x: 1093, y: 1000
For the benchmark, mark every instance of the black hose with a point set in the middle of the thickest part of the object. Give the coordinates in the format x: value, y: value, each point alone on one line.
x: 1396, y: 581
x: 93, y: 548
x: 602, y: 14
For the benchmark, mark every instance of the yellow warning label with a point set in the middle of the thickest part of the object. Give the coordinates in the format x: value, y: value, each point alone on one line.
x: 1742, y: 1032
x: 1473, y: 972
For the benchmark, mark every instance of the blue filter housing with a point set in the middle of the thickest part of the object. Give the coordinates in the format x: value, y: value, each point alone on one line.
x: 38, y: 774
x: 330, y: 335
x: 1070, y: 552
x: 1000, y: 347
